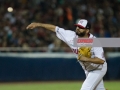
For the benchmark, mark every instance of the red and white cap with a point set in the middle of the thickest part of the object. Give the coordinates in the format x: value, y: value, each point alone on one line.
x: 83, y: 24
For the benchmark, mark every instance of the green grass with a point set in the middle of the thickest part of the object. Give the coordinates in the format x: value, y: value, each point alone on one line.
x: 112, y: 85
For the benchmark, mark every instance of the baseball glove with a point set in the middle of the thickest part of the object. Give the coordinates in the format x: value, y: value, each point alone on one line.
x: 84, y: 51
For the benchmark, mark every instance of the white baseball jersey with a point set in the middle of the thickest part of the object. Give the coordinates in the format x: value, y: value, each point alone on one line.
x: 67, y: 36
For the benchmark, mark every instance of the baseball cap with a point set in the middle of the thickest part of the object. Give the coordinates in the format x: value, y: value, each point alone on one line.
x: 83, y: 24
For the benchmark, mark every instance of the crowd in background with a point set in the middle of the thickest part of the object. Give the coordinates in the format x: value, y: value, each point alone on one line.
x: 104, y: 16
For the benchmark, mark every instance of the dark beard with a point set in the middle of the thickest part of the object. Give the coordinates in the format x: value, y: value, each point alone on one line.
x: 80, y: 34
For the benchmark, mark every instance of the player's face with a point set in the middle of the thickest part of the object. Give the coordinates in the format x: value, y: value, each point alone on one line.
x: 80, y: 32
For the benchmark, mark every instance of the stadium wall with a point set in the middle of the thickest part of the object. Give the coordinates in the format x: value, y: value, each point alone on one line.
x: 48, y: 66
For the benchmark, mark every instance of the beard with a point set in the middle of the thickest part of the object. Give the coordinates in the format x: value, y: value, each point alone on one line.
x: 81, y: 34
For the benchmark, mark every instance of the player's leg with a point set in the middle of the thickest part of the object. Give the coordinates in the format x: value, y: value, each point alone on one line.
x: 100, y: 86
x: 93, y: 79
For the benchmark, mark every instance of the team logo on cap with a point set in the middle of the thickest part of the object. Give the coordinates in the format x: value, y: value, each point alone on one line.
x: 81, y: 21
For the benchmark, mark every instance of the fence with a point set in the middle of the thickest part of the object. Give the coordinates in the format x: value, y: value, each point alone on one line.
x: 49, y: 66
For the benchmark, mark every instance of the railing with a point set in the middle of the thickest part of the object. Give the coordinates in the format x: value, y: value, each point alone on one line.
x: 34, y: 49
x: 47, y: 49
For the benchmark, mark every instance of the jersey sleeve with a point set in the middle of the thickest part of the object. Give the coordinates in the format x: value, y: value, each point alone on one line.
x: 63, y: 34
x: 98, y: 52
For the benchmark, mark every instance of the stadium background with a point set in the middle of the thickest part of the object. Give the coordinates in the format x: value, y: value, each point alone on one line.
x: 32, y: 56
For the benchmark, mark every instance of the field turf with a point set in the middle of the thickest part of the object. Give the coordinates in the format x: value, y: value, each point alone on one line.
x: 72, y: 85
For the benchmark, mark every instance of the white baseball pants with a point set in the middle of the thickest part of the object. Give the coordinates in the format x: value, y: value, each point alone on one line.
x: 94, y: 79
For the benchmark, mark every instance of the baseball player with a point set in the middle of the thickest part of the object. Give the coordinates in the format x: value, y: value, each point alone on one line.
x: 91, y: 59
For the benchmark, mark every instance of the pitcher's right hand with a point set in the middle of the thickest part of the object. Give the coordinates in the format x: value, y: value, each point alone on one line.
x: 32, y: 25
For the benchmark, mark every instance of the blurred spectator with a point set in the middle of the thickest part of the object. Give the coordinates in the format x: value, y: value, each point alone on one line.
x: 55, y: 45
x: 104, y: 16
